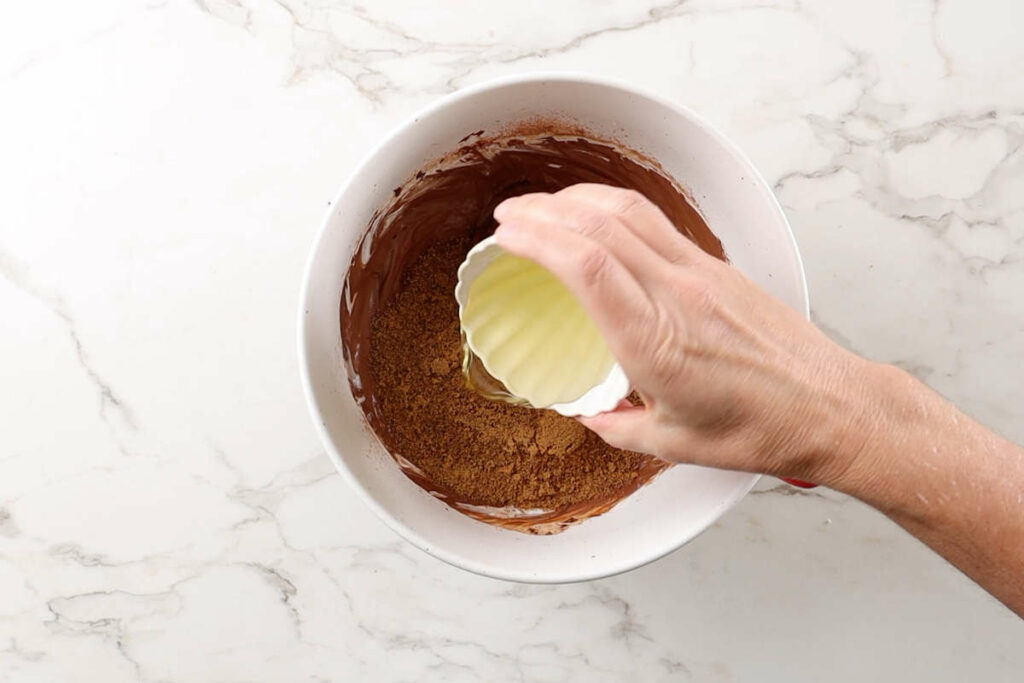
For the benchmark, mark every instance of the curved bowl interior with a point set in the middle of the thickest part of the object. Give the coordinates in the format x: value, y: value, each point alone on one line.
x: 677, y: 505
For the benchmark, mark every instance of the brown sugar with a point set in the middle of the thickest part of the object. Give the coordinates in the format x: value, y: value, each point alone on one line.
x: 478, y: 451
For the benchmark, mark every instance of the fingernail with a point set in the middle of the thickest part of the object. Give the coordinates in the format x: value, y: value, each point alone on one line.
x: 501, y: 210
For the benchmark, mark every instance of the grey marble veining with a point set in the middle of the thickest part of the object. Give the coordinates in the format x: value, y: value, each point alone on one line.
x: 166, y: 512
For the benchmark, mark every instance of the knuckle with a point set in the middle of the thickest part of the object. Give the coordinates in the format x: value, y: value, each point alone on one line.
x: 590, y: 223
x: 627, y: 201
x: 696, y: 293
x: 591, y: 264
x: 684, y: 252
x: 678, y: 257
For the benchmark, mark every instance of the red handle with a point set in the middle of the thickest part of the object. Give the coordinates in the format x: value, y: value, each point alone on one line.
x: 799, y: 483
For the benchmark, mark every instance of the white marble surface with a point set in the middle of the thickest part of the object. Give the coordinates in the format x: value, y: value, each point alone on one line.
x: 166, y: 512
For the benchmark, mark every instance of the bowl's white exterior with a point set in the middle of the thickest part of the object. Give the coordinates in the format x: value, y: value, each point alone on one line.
x: 681, y: 502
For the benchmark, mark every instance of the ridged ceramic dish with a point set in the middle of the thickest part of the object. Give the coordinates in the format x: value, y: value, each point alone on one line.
x: 533, y: 335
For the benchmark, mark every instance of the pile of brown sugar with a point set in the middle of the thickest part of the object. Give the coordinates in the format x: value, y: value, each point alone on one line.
x: 472, y: 449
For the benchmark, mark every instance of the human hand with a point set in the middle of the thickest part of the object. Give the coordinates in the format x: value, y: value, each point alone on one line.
x: 730, y: 376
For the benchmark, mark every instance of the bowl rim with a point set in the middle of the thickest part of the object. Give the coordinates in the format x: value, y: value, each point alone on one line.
x: 614, y: 568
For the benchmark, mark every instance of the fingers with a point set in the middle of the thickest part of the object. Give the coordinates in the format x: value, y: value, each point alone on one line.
x: 558, y: 212
x: 635, y: 428
x: 641, y: 216
x: 627, y: 427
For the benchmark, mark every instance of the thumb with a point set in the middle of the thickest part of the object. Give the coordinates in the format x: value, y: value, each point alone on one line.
x: 626, y: 427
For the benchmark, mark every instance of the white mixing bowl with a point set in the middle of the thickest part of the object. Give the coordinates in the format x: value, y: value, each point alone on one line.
x: 677, y: 505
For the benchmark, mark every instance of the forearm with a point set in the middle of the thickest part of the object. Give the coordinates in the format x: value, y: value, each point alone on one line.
x: 942, y: 476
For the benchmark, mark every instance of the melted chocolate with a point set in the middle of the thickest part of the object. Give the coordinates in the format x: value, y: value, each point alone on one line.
x: 455, y: 197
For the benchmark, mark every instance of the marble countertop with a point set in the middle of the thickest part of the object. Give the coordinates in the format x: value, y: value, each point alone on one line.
x: 166, y: 511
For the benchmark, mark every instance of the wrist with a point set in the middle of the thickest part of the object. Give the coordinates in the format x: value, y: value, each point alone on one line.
x: 859, y: 421
x: 890, y: 433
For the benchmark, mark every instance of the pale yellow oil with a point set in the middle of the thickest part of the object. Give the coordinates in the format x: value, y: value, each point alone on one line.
x: 531, y: 335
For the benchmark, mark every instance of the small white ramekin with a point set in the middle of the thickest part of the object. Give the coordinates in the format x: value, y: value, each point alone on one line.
x: 601, y: 397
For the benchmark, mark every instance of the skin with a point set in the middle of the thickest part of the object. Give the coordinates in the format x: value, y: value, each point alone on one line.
x: 733, y: 378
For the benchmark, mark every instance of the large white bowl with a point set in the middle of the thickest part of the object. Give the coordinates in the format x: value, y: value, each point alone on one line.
x: 677, y: 505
